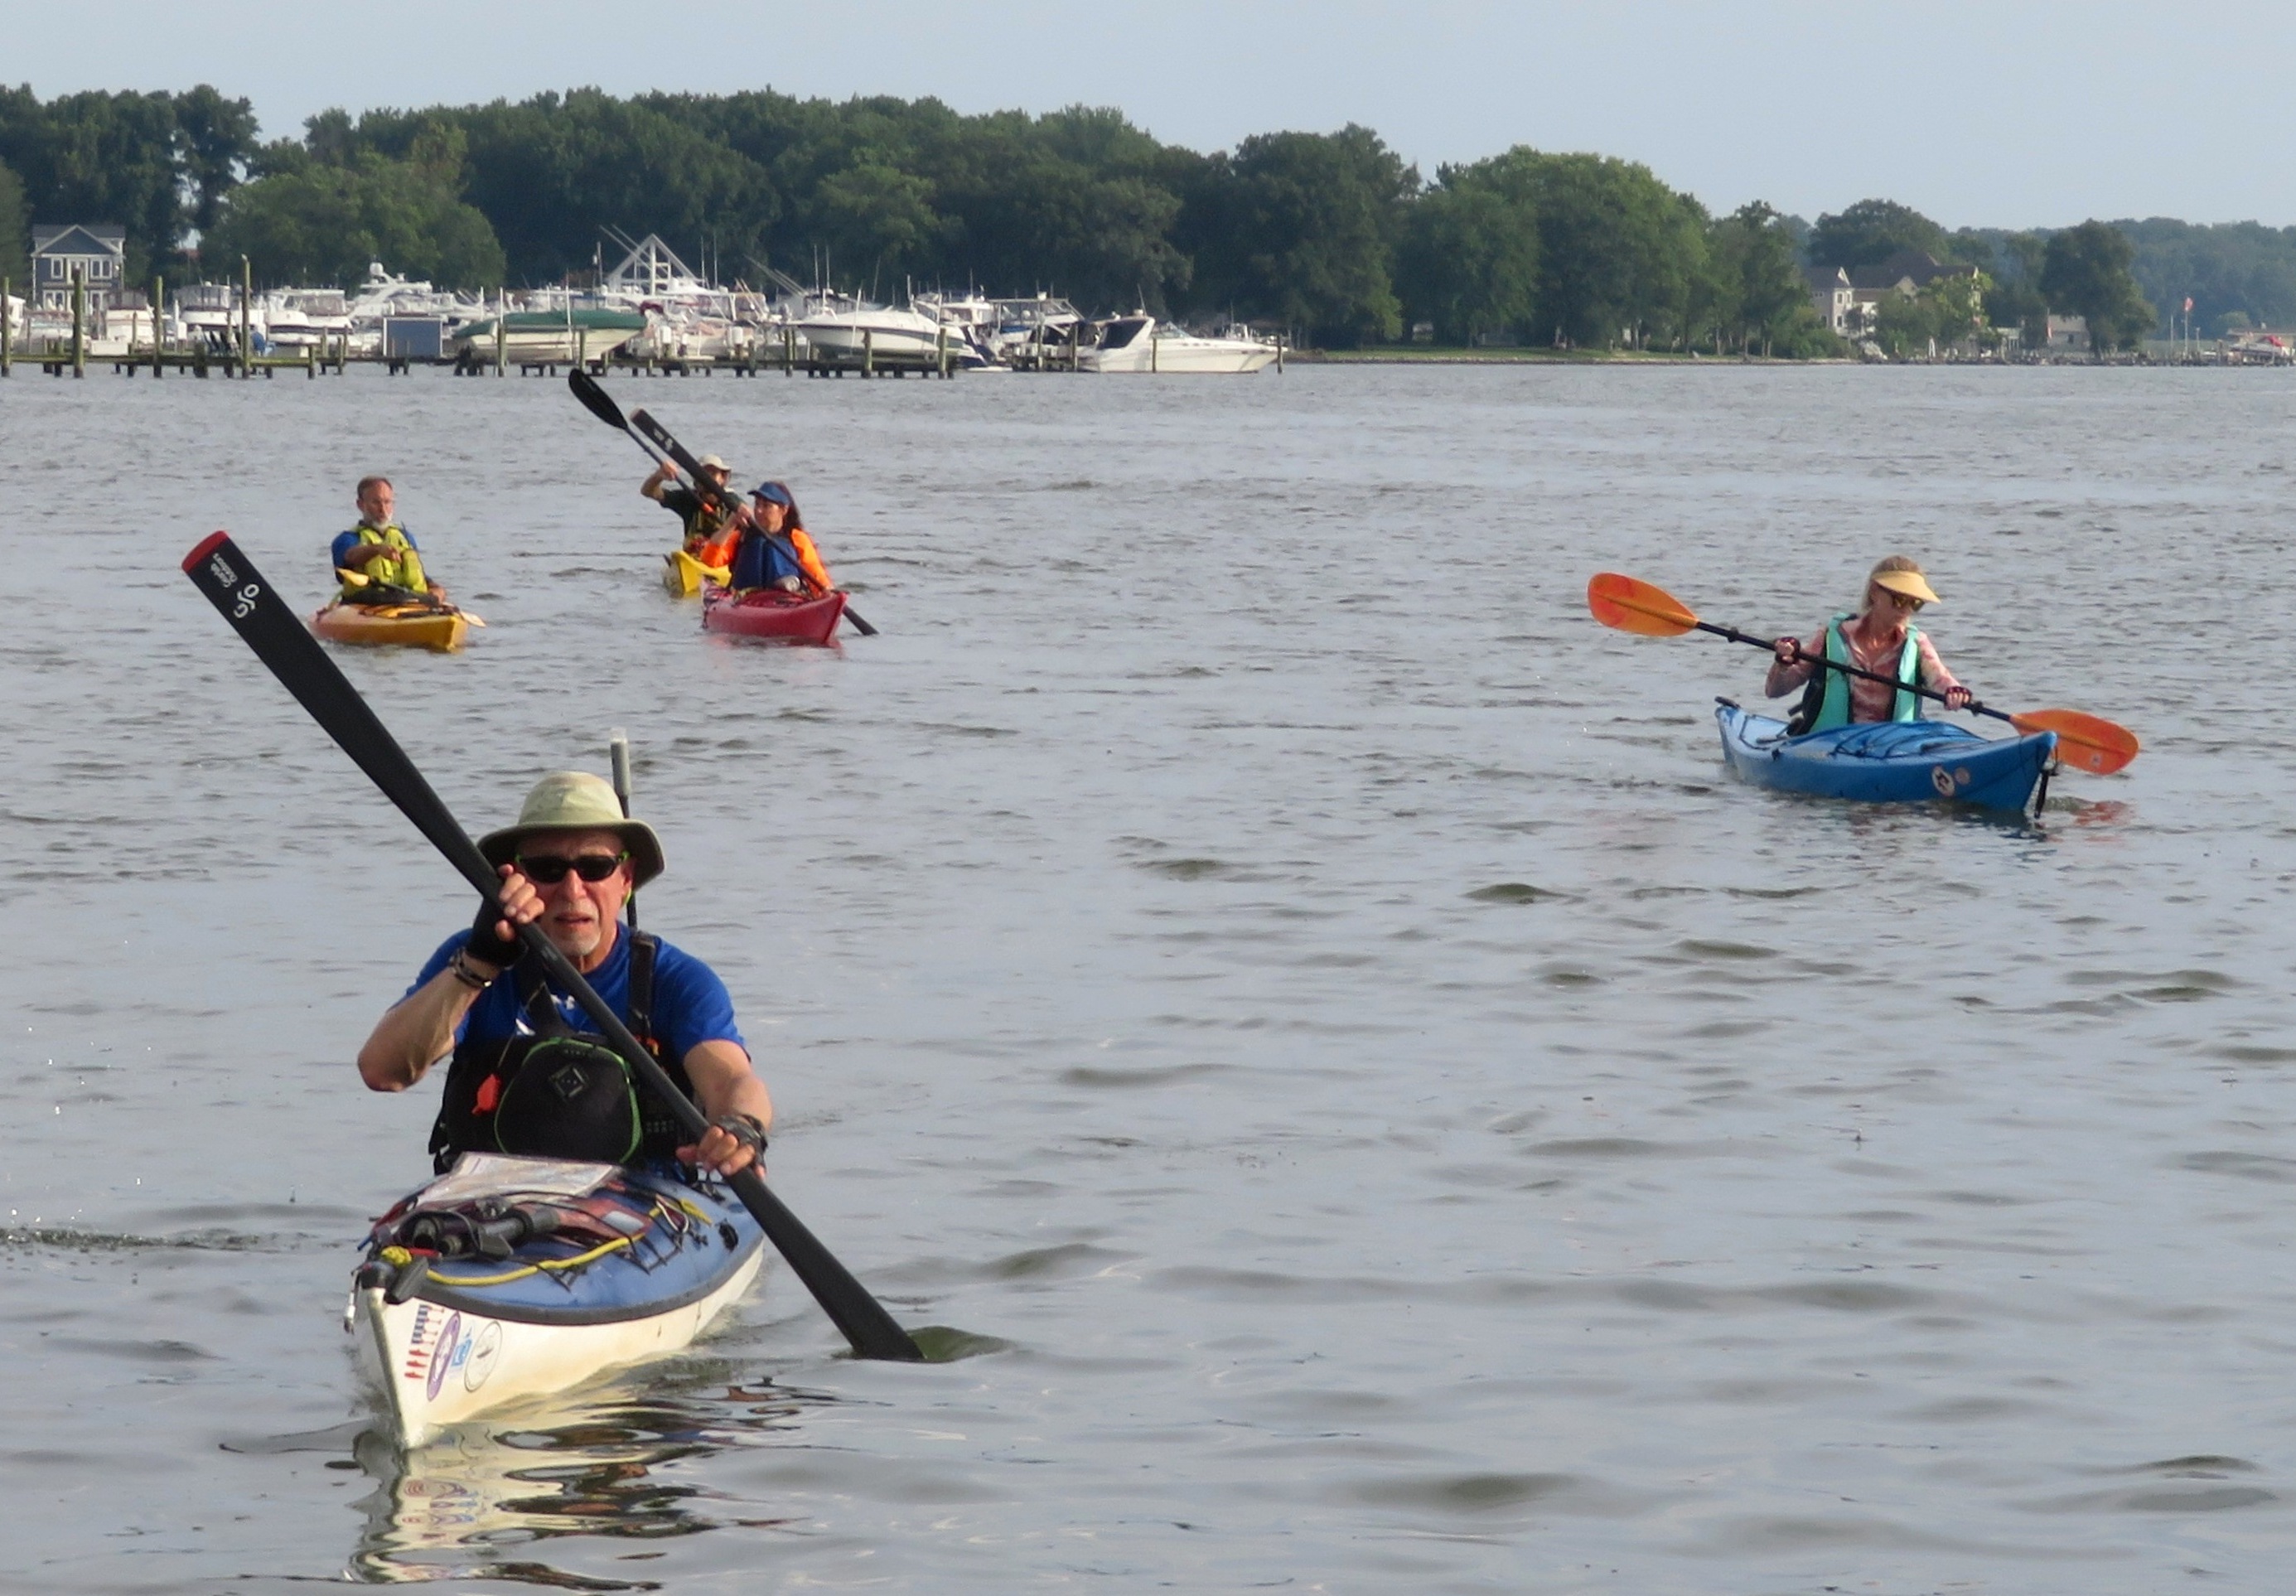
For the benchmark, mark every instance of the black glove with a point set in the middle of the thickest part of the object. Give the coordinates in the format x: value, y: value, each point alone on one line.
x: 485, y: 946
x: 744, y: 1129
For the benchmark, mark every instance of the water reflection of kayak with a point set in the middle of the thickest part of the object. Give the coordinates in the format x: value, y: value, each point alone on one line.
x: 1890, y: 762
x: 516, y: 1278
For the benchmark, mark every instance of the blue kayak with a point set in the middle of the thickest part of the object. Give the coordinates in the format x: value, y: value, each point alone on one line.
x: 1890, y: 762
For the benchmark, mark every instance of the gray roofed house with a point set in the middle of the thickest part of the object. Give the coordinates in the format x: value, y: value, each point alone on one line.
x: 1831, y: 292
x: 1908, y: 271
x: 98, y: 249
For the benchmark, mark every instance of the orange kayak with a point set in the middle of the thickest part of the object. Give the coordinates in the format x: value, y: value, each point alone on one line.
x: 412, y: 625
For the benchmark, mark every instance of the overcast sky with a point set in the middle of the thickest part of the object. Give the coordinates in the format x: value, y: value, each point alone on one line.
x: 1980, y: 114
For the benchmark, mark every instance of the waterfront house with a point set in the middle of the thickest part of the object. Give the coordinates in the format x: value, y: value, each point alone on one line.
x: 2068, y: 332
x: 98, y: 249
x: 1905, y: 273
x: 1831, y: 292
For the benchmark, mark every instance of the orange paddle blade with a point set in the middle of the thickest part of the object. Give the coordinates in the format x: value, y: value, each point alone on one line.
x: 1638, y: 607
x: 2088, y: 742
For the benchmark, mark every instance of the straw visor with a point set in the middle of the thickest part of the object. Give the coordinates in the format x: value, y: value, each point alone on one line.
x: 1910, y: 583
x: 576, y: 800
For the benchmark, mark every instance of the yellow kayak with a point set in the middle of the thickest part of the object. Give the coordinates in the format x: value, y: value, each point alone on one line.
x: 682, y: 574
x: 415, y: 625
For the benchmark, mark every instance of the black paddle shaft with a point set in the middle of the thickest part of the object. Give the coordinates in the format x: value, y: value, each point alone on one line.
x: 267, y: 625
x: 1735, y: 636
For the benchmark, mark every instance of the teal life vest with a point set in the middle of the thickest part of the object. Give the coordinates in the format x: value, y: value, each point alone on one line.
x: 1825, y: 702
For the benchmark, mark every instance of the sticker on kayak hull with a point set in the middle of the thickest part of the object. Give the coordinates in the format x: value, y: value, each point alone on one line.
x: 486, y: 1347
x: 442, y: 1357
x: 1941, y: 779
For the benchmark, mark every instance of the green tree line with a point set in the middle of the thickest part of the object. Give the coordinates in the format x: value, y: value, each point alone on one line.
x: 1332, y: 235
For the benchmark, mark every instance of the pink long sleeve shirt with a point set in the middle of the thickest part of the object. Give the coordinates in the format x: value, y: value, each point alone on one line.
x: 1868, y: 700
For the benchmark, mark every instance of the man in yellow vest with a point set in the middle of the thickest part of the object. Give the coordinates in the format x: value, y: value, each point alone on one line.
x: 379, y: 549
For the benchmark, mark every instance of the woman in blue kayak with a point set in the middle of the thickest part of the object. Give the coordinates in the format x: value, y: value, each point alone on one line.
x: 1882, y: 639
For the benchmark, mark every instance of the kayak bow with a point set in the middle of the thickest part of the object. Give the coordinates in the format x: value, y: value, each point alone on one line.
x: 682, y: 575
x: 516, y: 1278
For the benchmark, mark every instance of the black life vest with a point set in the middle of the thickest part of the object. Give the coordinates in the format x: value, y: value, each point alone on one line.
x: 560, y: 1093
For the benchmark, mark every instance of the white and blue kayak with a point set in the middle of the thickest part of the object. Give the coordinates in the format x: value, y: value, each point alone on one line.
x: 1890, y: 762
x: 511, y: 1278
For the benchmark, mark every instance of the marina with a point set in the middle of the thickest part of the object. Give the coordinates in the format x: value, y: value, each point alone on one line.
x: 650, y: 315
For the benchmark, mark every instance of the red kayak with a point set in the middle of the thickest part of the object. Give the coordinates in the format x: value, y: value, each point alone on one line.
x: 770, y: 615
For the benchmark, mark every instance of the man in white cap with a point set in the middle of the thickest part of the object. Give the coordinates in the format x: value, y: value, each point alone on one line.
x: 706, y: 530
x: 522, y: 1077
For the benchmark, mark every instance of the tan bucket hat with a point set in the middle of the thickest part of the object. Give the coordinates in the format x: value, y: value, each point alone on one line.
x: 576, y: 800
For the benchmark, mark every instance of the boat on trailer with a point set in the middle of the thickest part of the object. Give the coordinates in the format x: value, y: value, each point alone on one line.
x: 513, y: 1279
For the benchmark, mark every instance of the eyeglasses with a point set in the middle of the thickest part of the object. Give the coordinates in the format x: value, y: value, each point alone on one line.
x: 1904, y: 601
x: 549, y: 871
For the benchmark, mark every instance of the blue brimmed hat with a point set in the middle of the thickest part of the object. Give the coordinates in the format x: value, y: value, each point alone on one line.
x: 774, y: 493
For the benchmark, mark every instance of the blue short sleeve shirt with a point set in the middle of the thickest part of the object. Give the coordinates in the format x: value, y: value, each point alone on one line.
x: 690, y: 1004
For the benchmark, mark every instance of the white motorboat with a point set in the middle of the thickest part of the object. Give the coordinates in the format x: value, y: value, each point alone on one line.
x: 208, y: 313
x: 1141, y: 343
x: 298, y: 318
x: 564, y: 334
x: 384, y: 299
x: 907, y: 337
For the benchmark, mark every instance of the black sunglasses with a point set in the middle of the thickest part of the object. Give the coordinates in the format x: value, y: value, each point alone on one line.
x: 547, y: 871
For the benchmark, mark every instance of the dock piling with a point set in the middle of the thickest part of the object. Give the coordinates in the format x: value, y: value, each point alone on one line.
x: 159, y: 326
x: 246, y: 318
x: 8, y: 326
x: 79, y: 321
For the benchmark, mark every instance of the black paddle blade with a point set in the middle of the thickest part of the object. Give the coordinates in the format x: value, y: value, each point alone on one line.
x: 267, y: 625
x: 659, y: 437
x: 872, y: 1332
x: 596, y: 399
x: 282, y: 641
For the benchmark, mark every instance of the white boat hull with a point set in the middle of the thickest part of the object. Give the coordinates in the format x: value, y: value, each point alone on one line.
x: 1183, y: 356
x: 898, y: 336
x: 437, y: 1366
x: 1141, y: 343
x: 521, y: 344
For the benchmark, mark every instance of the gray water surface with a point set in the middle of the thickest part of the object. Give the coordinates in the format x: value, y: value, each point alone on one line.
x: 1243, y: 943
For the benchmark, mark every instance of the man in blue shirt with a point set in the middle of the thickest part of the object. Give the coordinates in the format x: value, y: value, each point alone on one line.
x: 381, y: 552
x: 569, y: 865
